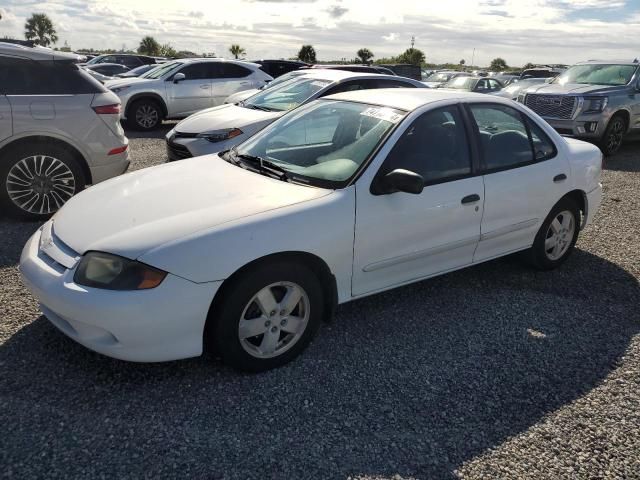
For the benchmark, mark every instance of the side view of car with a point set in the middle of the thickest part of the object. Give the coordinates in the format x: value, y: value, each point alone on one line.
x: 108, y: 69
x: 179, y: 88
x: 474, y: 84
x: 595, y: 100
x: 221, y: 128
x: 513, y: 90
x: 248, y: 251
x: 438, y: 79
x: 128, y: 60
x: 59, y: 131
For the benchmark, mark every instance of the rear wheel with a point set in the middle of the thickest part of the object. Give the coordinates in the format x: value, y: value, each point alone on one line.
x: 557, y: 236
x: 267, y: 316
x: 144, y: 114
x: 37, y: 179
x: 612, y: 139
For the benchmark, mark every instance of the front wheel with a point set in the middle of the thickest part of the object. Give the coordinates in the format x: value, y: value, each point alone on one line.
x: 267, y: 316
x: 557, y: 236
x: 612, y: 139
x: 144, y: 115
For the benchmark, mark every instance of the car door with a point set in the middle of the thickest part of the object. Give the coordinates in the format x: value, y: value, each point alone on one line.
x: 227, y: 79
x: 524, y: 176
x: 6, y: 123
x: 192, y: 93
x: 402, y: 237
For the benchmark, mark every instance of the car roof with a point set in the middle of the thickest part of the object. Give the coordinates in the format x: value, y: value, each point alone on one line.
x: 405, y: 98
x: 608, y: 62
x: 340, y: 75
x: 38, y: 53
x: 216, y: 60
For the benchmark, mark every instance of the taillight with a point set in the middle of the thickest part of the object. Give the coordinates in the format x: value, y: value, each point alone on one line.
x: 118, y: 150
x: 107, y: 109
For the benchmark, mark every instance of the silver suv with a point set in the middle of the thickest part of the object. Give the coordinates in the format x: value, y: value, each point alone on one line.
x: 182, y: 87
x: 59, y: 131
x: 592, y: 100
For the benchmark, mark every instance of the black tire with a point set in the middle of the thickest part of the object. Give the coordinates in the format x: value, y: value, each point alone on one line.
x: 74, y: 181
x: 611, y: 141
x: 144, y: 106
x: 538, y: 254
x: 222, y: 327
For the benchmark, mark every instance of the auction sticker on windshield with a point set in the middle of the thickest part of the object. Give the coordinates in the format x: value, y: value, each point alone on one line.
x: 382, y: 114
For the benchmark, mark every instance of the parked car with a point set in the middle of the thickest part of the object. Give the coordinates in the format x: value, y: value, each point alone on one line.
x: 130, y: 61
x: 474, y: 84
x: 107, y: 69
x: 59, y: 131
x: 244, y: 94
x: 98, y: 76
x: 182, y: 87
x: 221, y: 128
x: 404, y: 70
x: 440, y: 78
x: 541, y: 72
x: 355, y: 68
x: 513, y: 90
x: 353, y: 194
x: 136, y: 72
x: 595, y: 100
x: 276, y: 68
x: 506, y: 79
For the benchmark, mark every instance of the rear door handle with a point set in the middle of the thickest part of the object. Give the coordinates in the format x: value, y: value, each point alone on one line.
x: 471, y: 199
x: 559, y: 178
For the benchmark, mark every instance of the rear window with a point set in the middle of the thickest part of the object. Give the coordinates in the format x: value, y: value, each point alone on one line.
x: 27, y: 77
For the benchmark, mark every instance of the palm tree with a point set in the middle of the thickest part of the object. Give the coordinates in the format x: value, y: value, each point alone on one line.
x: 237, y: 50
x: 39, y: 29
x: 149, y: 46
x: 365, y: 55
x: 307, y: 54
x: 413, y: 56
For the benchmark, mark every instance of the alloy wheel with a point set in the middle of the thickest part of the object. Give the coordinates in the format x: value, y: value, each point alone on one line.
x: 147, y: 116
x: 560, y: 235
x: 274, y: 320
x: 614, y: 139
x: 40, y: 184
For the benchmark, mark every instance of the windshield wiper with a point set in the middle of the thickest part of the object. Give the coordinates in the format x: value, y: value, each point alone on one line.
x: 257, y: 107
x: 264, y: 165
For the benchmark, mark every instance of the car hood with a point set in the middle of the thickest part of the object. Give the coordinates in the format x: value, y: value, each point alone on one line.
x: 134, y: 213
x: 225, y: 116
x: 573, y: 88
x: 239, y: 96
x: 121, y: 82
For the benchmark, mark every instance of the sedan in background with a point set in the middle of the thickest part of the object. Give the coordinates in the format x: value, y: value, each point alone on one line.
x: 220, y: 128
x: 512, y: 91
x: 440, y: 78
x: 474, y: 84
x: 107, y: 69
x: 247, y: 252
x: 136, y: 72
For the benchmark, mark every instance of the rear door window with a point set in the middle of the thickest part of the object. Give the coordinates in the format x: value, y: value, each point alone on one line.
x: 231, y: 70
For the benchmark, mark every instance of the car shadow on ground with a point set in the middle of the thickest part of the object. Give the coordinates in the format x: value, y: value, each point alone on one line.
x: 627, y: 159
x: 160, y: 132
x: 414, y: 381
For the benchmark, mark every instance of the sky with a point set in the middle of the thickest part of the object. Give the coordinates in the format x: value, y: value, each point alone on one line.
x: 520, y: 31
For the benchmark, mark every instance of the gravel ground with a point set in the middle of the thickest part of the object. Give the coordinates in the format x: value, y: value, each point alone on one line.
x: 493, y: 372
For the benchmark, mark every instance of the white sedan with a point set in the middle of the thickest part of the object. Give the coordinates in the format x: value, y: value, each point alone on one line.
x: 347, y: 196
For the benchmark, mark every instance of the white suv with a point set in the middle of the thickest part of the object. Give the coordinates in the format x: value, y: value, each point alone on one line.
x: 182, y: 87
x: 59, y: 131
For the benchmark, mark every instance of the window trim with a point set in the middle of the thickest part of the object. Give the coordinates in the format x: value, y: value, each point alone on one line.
x: 525, y: 120
x: 473, y: 158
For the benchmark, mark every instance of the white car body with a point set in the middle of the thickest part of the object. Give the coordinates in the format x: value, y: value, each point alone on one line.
x: 69, y: 119
x: 204, y: 219
x: 181, y: 99
x: 182, y: 142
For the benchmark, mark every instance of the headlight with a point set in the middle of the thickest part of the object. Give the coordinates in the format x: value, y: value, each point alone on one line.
x: 220, y: 135
x: 120, y: 89
x: 111, y: 272
x: 594, y: 104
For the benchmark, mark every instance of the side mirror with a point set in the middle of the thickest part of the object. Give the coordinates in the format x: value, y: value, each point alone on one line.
x: 400, y: 180
x: 178, y: 77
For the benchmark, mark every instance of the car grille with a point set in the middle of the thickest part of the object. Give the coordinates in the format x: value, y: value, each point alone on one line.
x: 551, y: 106
x: 175, y: 151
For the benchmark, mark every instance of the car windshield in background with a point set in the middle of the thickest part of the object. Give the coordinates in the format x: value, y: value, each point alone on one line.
x: 439, y: 77
x: 324, y: 143
x: 286, y: 96
x: 285, y: 78
x: 598, y: 74
x: 161, y: 70
x: 462, y: 83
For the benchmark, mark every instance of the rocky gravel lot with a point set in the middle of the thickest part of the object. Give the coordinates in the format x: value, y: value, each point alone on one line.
x: 496, y: 371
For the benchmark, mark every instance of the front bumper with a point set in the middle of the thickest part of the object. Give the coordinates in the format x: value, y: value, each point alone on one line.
x: 160, y: 324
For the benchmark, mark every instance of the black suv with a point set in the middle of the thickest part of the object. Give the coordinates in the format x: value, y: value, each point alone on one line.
x: 275, y: 68
x: 129, y: 61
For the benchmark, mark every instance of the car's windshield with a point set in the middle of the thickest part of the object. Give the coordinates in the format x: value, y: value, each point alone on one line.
x: 323, y: 143
x: 439, y: 77
x: 286, y: 96
x: 462, y: 83
x: 95, y: 60
x: 160, y: 70
x: 598, y: 74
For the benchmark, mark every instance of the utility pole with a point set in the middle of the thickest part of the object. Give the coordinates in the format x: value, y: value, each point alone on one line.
x: 413, y: 41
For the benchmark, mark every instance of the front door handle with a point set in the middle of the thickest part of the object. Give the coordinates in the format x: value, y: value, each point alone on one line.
x: 471, y: 199
x: 559, y: 178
